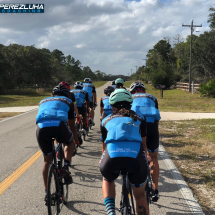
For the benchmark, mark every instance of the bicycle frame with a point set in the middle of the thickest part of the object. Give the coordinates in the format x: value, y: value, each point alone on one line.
x: 125, y: 207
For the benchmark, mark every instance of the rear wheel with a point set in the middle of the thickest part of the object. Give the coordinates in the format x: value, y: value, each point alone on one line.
x: 53, y: 201
x: 65, y: 192
x: 147, y: 191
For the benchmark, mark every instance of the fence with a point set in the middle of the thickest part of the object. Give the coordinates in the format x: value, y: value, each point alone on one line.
x: 185, y: 86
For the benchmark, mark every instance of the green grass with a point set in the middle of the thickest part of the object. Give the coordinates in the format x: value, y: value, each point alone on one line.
x: 180, y: 101
x: 4, y: 115
x: 190, y: 143
x: 30, y: 99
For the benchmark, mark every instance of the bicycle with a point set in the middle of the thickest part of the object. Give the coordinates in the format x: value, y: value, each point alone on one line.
x: 149, y: 186
x: 59, y: 194
x: 125, y: 207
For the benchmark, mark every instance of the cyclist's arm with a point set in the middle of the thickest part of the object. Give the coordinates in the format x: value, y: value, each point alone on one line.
x: 72, y: 97
x: 103, y: 137
x: 144, y: 144
x: 87, y: 101
x: 101, y: 107
x: 94, y: 95
x: 71, y: 124
x: 76, y: 110
x: 143, y: 134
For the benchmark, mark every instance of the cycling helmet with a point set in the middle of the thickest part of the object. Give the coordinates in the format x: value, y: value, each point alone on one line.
x: 87, y: 80
x: 109, y: 89
x: 119, y: 81
x: 78, y: 85
x: 66, y: 84
x: 135, y: 85
x: 120, y: 96
x: 61, y: 90
x: 113, y: 82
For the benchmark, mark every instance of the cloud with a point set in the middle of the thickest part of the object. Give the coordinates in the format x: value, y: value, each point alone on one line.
x: 108, y: 35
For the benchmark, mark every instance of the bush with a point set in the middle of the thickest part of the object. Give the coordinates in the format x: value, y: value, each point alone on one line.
x: 208, y: 89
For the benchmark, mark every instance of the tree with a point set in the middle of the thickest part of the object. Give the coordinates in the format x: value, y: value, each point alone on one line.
x: 211, y: 19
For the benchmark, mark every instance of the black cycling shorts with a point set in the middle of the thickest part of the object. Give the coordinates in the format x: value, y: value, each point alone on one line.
x: 44, y: 136
x: 82, y: 110
x: 152, y: 139
x: 137, y: 167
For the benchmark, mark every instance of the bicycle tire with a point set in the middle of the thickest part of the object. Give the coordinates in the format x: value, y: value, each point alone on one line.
x: 52, y: 197
x: 147, y: 191
x: 84, y: 136
x: 65, y: 193
x: 125, y: 211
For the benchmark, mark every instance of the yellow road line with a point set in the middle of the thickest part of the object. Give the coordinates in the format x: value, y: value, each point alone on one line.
x: 15, y: 175
x: 4, y: 185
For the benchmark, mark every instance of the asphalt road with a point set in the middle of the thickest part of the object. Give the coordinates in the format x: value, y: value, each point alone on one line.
x: 25, y: 196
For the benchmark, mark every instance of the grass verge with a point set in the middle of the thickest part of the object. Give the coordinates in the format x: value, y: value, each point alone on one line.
x: 180, y: 101
x: 30, y: 99
x: 6, y: 115
x: 190, y: 144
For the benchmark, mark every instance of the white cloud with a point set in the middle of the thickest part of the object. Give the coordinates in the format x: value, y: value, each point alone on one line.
x: 81, y: 45
x: 108, y: 35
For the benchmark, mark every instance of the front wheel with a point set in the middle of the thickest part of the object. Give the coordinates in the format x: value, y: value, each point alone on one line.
x: 125, y: 211
x: 65, y: 193
x: 52, y: 192
x: 147, y: 191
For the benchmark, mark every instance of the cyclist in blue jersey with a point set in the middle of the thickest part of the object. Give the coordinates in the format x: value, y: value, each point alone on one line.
x: 113, y: 84
x: 147, y: 105
x: 119, y: 83
x: 53, y: 116
x: 105, y: 107
x: 90, y: 89
x: 124, y: 147
x: 71, y: 96
x: 81, y: 97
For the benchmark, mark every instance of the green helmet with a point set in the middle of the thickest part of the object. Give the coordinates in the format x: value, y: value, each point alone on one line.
x: 119, y: 81
x: 120, y: 95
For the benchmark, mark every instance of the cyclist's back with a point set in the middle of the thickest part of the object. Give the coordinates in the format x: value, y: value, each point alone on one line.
x: 105, y: 107
x: 90, y: 89
x: 123, y: 148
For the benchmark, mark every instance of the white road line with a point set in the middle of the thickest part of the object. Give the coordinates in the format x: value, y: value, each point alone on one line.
x: 18, y: 115
x: 183, y: 187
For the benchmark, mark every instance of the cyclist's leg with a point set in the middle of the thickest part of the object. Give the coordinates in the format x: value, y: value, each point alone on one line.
x: 108, y: 185
x: 153, y: 147
x: 138, y: 182
x: 154, y: 169
x: 92, y: 112
x: 45, y: 143
x: 141, y: 202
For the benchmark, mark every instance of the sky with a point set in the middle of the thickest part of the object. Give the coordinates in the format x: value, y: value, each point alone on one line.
x: 112, y: 36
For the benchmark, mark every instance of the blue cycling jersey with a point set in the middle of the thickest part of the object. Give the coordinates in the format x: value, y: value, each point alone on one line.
x: 53, y: 110
x: 88, y: 87
x: 123, y: 136
x: 107, y: 107
x: 145, y: 104
x: 80, y: 96
x: 114, y: 86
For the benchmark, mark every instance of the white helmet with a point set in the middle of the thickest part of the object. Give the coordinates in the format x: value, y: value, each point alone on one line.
x: 87, y: 80
x: 136, y: 84
x: 78, y: 84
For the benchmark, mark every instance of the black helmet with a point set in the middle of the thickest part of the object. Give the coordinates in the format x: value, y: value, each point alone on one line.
x: 87, y: 80
x: 109, y: 89
x: 60, y: 90
x: 113, y: 82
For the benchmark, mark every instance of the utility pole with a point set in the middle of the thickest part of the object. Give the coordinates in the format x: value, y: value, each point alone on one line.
x: 145, y: 60
x: 136, y: 68
x: 190, y: 69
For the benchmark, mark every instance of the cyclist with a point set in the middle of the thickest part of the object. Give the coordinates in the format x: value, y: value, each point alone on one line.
x: 113, y: 84
x: 90, y: 89
x: 124, y: 147
x: 105, y: 107
x: 71, y: 96
x: 53, y: 116
x: 147, y: 105
x: 119, y: 83
x: 81, y: 97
